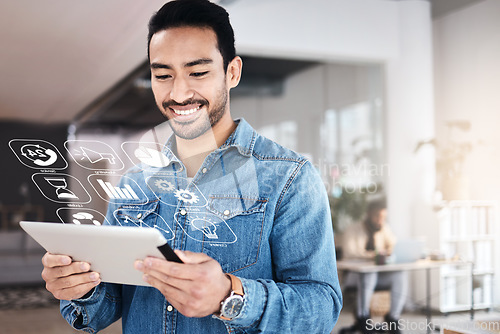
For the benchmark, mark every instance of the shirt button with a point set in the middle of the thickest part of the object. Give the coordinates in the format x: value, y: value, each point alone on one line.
x: 170, y: 308
x: 226, y: 212
x: 183, y: 212
x: 204, y: 170
x: 139, y: 215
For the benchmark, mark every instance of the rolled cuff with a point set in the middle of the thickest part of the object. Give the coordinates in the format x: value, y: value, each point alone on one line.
x: 253, y: 307
x: 78, y: 315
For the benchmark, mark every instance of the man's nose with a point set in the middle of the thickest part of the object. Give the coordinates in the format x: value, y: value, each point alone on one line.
x: 181, y: 91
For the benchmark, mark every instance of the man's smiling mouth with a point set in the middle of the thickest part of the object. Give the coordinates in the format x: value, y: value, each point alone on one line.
x: 184, y: 112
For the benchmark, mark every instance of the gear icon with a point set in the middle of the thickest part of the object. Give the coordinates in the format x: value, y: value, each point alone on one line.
x: 164, y: 185
x: 186, y: 196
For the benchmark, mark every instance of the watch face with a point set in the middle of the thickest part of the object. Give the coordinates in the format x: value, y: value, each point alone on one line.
x: 232, y: 306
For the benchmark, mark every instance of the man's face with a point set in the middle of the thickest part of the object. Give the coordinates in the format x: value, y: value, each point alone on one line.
x: 377, y: 218
x: 188, y: 79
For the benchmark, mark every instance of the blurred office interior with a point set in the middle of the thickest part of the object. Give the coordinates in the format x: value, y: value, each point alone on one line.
x: 385, y: 97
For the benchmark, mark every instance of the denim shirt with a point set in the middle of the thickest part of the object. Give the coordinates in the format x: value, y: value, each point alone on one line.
x: 257, y: 208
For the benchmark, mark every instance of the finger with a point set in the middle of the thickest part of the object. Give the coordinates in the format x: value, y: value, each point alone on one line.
x: 172, y: 293
x: 64, y: 271
x: 168, y: 268
x: 139, y: 265
x: 191, y: 257
x: 189, y: 300
x: 178, y: 283
x: 73, y: 281
x: 77, y: 292
x: 52, y: 260
x: 180, y: 289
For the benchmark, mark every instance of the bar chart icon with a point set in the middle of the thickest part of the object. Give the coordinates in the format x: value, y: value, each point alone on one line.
x: 127, y: 190
x: 116, y: 192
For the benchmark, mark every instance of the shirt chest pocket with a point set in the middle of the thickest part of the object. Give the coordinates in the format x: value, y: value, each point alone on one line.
x: 237, y: 239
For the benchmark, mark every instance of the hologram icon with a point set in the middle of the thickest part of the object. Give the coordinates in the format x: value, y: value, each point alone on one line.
x: 171, y: 189
x: 61, y: 186
x: 40, y: 155
x: 149, y: 153
x: 143, y: 219
x: 116, y: 192
x: 93, y: 155
x: 37, y: 154
x: 117, y: 188
x: 164, y: 185
x: 81, y: 216
x: 187, y: 196
x: 207, y: 227
x: 151, y: 157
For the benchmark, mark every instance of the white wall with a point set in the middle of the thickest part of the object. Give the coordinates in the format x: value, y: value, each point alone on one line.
x: 467, y: 58
x: 410, y: 118
x: 467, y: 70
x: 317, y: 29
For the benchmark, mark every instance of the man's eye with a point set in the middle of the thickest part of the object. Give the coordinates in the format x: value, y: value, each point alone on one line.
x: 162, y: 77
x: 198, y: 74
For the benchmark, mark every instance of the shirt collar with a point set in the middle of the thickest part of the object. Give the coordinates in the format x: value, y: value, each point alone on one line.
x: 243, y: 138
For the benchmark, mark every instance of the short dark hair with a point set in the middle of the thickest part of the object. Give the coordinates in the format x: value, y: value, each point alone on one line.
x: 196, y: 13
x: 377, y: 205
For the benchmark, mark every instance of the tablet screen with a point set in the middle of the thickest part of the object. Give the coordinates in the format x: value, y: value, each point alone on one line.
x: 110, y: 250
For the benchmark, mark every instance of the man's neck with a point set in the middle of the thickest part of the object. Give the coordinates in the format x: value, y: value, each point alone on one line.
x: 192, y: 152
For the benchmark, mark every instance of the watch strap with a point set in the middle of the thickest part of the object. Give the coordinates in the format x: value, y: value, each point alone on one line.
x: 236, y: 285
x: 236, y: 289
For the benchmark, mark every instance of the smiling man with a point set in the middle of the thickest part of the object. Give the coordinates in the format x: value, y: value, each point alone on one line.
x: 190, y: 84
x: 248, y: 218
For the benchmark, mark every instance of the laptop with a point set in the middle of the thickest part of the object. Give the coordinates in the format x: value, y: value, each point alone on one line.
x: 408, y: 250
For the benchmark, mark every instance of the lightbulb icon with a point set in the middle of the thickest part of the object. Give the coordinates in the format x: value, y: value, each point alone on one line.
x: 206, y: 227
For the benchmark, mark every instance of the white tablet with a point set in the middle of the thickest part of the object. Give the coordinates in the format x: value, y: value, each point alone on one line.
x: 110, y: 250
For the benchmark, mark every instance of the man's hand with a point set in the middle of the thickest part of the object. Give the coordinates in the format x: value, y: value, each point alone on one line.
x: 65, y: 279
x: 195, y: 288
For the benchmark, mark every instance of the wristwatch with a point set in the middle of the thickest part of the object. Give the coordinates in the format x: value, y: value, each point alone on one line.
x: 232, y: 305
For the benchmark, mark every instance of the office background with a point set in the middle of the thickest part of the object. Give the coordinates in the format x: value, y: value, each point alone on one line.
x: 355, y: 85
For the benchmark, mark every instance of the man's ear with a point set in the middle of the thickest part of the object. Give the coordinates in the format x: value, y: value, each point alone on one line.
x: 234, y: 72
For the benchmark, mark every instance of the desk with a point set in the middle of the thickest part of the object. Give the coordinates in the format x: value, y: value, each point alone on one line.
x: 366, y: 266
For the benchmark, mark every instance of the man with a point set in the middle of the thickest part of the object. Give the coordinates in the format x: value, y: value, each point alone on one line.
x: 364, y: 240
x: 248, y: 218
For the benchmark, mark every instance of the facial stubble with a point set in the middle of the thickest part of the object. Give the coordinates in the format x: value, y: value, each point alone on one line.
x: 203, y: 123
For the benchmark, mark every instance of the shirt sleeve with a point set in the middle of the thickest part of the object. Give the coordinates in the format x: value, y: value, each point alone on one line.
x: 97, y: 311
x: 305, y: 295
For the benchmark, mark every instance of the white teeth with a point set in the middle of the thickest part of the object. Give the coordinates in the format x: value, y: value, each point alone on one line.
x: 186, y: 112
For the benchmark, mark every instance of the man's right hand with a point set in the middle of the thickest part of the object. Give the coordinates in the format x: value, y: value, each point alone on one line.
x: 65, y: 279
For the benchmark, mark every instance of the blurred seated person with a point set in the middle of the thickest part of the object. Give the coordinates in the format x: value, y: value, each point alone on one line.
x: 363, y: 240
